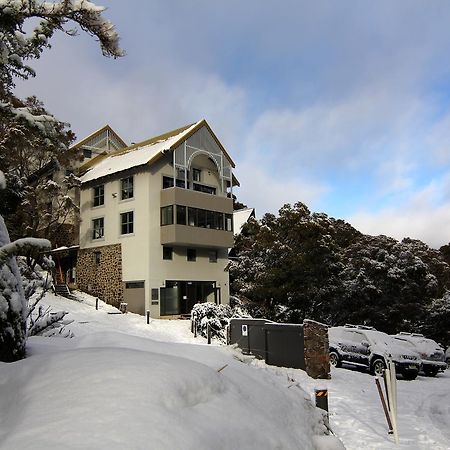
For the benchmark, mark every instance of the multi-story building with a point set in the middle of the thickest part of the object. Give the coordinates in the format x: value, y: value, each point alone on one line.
x: 157, y: 222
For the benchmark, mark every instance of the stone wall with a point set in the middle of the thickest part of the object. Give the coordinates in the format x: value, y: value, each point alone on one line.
x: 317, y: 356
x: 99, y: 273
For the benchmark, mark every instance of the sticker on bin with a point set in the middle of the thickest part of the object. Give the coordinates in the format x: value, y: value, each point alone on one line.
x: 244, y: 330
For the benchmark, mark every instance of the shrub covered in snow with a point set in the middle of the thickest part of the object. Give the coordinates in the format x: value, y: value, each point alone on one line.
x: 217, y: 317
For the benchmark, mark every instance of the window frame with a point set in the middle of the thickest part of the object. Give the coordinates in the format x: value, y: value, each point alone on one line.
x: 97, y: 229
x: 98, y: 198
x: 127, y: 190
x: 128, y: 224
x: 167, y: 219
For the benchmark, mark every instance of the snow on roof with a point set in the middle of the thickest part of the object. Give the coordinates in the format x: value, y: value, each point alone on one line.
x: 240, y: 217
x: 135, y: 155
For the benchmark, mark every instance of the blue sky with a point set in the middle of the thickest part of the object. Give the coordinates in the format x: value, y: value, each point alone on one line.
x: 344, y: 106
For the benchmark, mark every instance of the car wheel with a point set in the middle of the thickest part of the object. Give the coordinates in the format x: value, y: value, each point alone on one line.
x: 378, y: 366
x: 410, y: 375
x: 430, y: 371
x: 335, y: 361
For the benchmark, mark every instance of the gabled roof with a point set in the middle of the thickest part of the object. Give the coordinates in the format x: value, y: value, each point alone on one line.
x: 145, y: 152
x: 97, y: 133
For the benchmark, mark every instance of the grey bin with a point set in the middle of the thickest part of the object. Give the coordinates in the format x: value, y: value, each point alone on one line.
x: 285, y: 345
x: 249, y: 335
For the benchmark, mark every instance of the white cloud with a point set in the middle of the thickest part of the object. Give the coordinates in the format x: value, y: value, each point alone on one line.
x: 268, y: 191
x: 424, y: 216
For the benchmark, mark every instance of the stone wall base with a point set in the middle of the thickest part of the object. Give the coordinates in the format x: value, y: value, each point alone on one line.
x: 99, y: 273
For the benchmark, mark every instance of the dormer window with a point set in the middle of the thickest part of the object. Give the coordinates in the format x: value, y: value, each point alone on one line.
x: 126, y: 188
x: 87, y: 153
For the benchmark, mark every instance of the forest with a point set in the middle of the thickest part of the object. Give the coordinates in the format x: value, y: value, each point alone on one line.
x: 301, y: 265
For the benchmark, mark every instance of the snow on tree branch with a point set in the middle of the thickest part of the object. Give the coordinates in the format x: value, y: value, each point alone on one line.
x: 22, y: 247
x: 16, y: 46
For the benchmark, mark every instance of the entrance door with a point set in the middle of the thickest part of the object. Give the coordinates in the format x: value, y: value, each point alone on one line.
x: 179, y: 297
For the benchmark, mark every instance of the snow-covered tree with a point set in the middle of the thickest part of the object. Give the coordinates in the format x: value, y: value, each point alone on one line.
x: 307, y: 265
x: 17, y: 48
x: 33, y: 202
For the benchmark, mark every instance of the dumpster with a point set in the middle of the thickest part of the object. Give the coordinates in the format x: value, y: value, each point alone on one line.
x: 249, y: 336
x: 284, y: 345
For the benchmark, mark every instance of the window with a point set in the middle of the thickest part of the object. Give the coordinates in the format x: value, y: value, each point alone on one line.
x: 196, y: 175
x: 181, y: 215
x: 134, y: 285
x: 191, y: 254
x: 155, y: 296
x: 127, y: 222
x: 87, y: 153
x: 167, y: 253
x: 192, y: 217
x: 97, y: 257
x: 98, y: 228
x: 228, y: 222
x: 168, y: 182
x: 126, y: 188
x: 206, y: 189
x: 213, y: 256
x: 167, y: 215
x: 99, y: 195
x: 196, y: 217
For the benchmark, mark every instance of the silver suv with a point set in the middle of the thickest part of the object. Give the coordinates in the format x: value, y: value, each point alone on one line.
x: 431, y: 353
x: 362, y: 346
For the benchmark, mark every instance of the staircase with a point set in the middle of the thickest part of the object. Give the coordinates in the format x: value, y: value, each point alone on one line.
x: 63, y: 290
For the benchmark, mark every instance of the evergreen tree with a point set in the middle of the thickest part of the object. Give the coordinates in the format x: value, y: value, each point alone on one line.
x: 307, y: 265
x: 16, y: 47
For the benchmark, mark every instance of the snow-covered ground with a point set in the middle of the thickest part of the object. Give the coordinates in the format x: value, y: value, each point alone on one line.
x: 120, y: 383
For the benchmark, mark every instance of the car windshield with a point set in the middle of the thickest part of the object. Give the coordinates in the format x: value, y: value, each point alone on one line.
x: 378, y: 337
x: 405, y: 342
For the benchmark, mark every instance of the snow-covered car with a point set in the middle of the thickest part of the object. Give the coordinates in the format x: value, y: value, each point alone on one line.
x: 431, y: 353
x: 366, y: 347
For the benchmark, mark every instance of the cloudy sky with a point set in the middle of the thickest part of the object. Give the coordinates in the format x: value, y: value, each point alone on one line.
x: 344, y: 106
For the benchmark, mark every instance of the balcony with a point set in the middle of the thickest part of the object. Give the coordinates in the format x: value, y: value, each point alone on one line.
x: 186, y: 235
x: 187, y: 197
x: 191, y: 218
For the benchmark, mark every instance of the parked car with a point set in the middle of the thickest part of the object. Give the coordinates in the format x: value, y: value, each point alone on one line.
x: 362, y: 346
x: 431, y: 353
x: 447, y: 357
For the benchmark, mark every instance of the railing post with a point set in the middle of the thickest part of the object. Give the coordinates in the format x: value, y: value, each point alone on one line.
x: 195, y: 328
x: 96, y: 303
x: 148, y: 316
x: 208, y: 332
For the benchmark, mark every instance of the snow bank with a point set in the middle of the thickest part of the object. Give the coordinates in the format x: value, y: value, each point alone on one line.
x: 111, y: 390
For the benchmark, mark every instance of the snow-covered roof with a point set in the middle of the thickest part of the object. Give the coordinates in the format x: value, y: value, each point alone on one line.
x: 240, y: 217
x: 138, y: 154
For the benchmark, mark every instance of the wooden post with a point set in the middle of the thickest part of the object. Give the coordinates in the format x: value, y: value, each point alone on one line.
x: 208, y: 332
x: 96, y: 303
x: 148, y: 316
x: 195, y: 328
x: 383, y: 402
